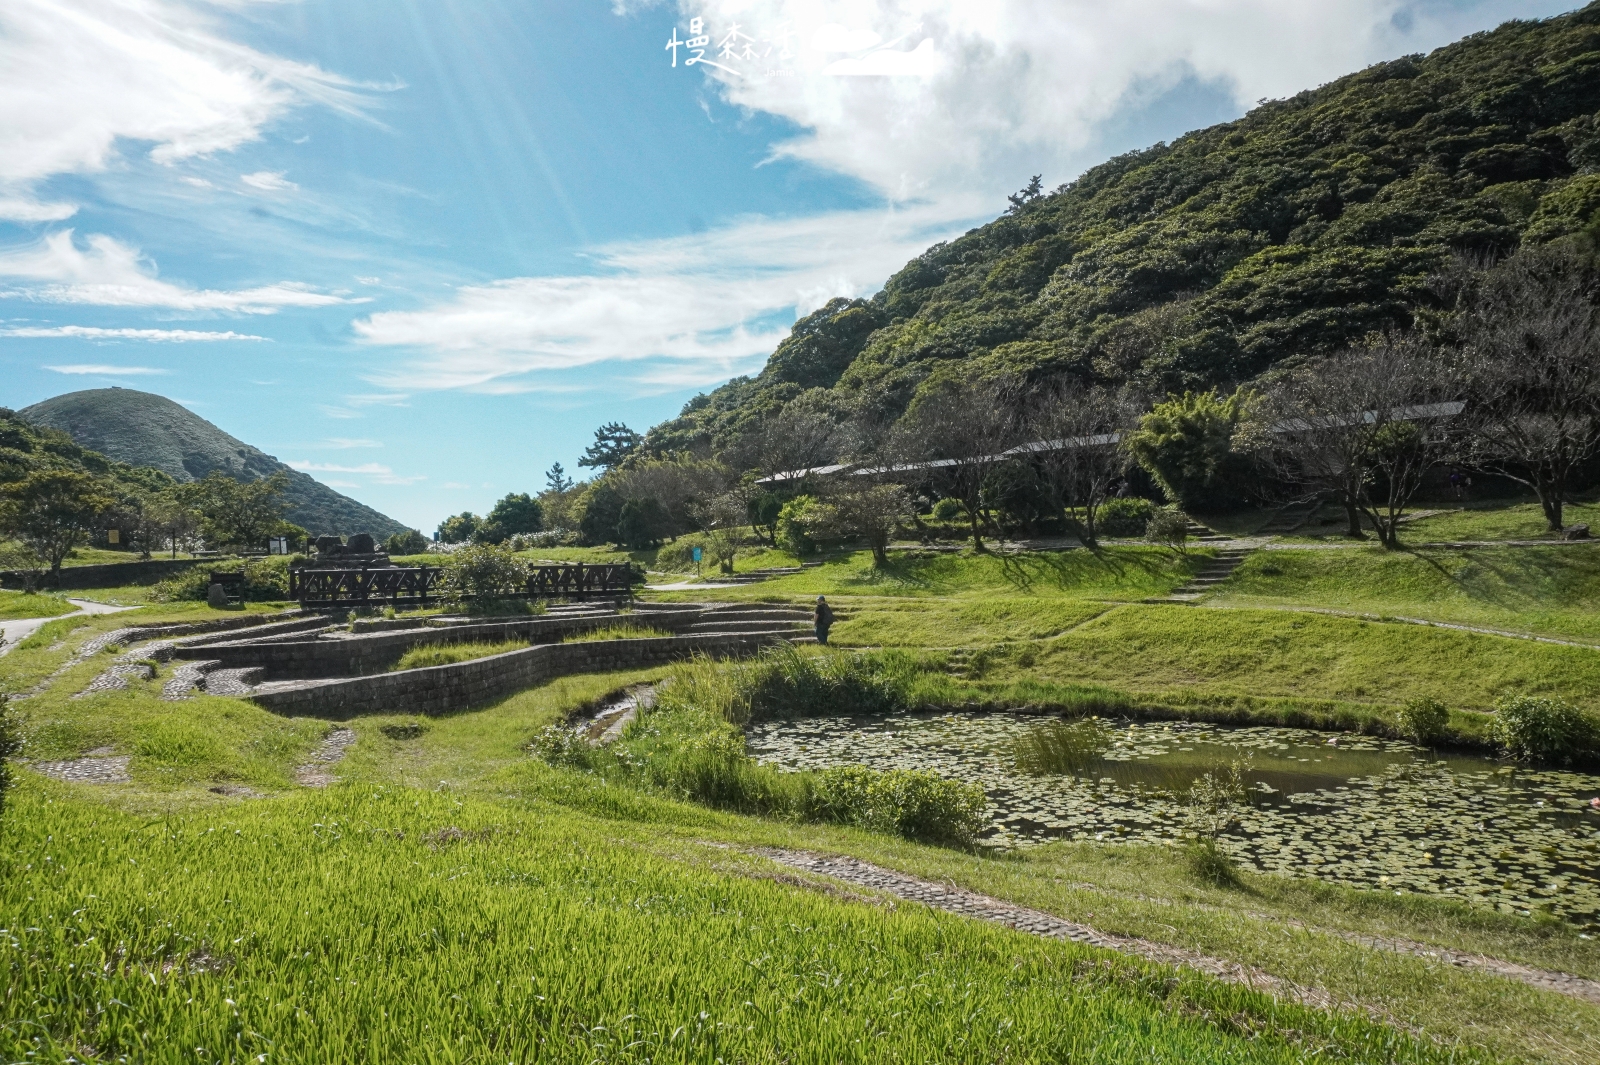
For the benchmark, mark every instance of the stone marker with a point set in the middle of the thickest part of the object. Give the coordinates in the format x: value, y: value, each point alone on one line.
x: 217, y: 597
x: 1576, y: 532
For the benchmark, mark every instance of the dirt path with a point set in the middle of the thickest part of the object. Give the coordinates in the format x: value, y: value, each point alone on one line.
x: 958, y: 900
x: 316, y: 772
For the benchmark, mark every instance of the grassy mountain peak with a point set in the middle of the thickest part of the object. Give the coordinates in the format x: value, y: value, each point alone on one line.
x: 143, y: 429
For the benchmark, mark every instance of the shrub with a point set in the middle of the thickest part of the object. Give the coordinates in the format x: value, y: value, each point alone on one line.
x: 485, y: 571
x: 1210, y: 864
x: 265, y: 580
x: 908, y: 802
x: 1169, y: 526
x: 679, y: 555
x: 1124, y: 517
x: 1186, y: 444
x: 1424, y: 720
x: 794, y: 521
x: 947, y: 510
x: 1539, y: 729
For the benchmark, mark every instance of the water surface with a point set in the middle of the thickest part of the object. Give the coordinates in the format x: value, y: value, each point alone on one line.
x: 1360, y: 811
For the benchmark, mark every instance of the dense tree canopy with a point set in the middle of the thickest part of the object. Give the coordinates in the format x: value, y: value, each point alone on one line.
x: 1290, y: 233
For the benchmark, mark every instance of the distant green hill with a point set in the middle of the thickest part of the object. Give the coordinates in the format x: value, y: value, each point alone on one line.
x: 142, y: 429
x: 1300, y: 227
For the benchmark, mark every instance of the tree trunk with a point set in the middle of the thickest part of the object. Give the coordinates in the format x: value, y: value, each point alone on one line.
x: 1550, y: 503
x: 1352, y: 515
x: 977, y: 535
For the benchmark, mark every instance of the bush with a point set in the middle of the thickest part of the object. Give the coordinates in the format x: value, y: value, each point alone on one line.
x: 794, y: 521
x: 947, y: 510
x: 1424, y: 720
x: 1186, y: 444
x: 1539, y: 729
x: 1124, y: 517
x: 1210, y: 864
x: 265, y: 581
x: 1169, y: 526
x: 485, y: 571
x: 911, y: 803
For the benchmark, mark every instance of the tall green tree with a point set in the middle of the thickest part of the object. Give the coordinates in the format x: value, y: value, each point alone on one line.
x: 237, y: 514
x: 458, y: 528
x: 516, y: 513
x: 613, y: 442
x: 53, y: 512
x: 556, y: 479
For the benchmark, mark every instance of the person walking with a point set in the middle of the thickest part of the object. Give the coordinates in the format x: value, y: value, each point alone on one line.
x: 822, y: 619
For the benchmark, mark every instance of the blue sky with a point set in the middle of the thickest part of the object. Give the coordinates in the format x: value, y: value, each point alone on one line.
x: 421, y: 248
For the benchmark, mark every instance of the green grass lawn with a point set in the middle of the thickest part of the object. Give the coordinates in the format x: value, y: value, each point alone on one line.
x: 1116, y: 573
x: 1276, y: 655
x: 457, y: 894
x: 17, y: 605
x: 1552, y: 591
x: 457, y: 899
x: 1497, y: 520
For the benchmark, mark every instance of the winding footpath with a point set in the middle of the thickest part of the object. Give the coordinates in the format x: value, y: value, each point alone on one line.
x: 953, y: 899
x: 14, y: 632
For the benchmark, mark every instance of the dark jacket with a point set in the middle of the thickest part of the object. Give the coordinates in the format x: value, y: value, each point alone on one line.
x: 822, y: 617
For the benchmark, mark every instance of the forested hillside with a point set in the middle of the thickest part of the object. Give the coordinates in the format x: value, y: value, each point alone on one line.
x: 1305, y: 225
x: 26, y: 449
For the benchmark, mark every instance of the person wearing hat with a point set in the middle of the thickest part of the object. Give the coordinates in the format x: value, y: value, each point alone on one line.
x: 822, y: 618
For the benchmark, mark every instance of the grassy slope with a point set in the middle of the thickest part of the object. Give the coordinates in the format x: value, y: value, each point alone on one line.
x: 1551, y: 591
x: 330, y: 908
x: 15, y: 605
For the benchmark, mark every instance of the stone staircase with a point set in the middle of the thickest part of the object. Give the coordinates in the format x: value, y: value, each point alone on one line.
x: 1200, y: 533
x: 1214, y: 572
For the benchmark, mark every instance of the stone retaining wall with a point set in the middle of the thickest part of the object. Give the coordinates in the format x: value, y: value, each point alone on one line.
x: 109, y: 575
x: 461, y: 685
x: 359, y: 655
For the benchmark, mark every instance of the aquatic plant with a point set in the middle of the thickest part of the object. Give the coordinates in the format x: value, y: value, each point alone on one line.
x: 1058, y: 747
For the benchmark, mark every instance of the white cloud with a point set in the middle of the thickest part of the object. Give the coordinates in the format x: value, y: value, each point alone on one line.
x: 710, y: 302
x: 269, y: 181
x: 78, y: 76
x: 109, y: 273
x: 197, y: 182
x: 113, y: 371
x: 342, y: 443
x: 1010, y: 88
x: 27, y: 209
x: 377, y: 471
x: 1003, y: 89
x: 87, y: 332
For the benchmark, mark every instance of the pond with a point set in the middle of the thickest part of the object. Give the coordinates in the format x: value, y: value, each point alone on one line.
x: 1354, y: 810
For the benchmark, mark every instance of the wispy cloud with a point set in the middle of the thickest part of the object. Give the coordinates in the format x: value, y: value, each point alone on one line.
x: 343, y: 443
x: 109, y: 273
x: 710, y: 302
x: 79, y: 76
x: 89, y: 332
x: 377, y: 471
x: 269, y: 181
x: 101, y: 369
